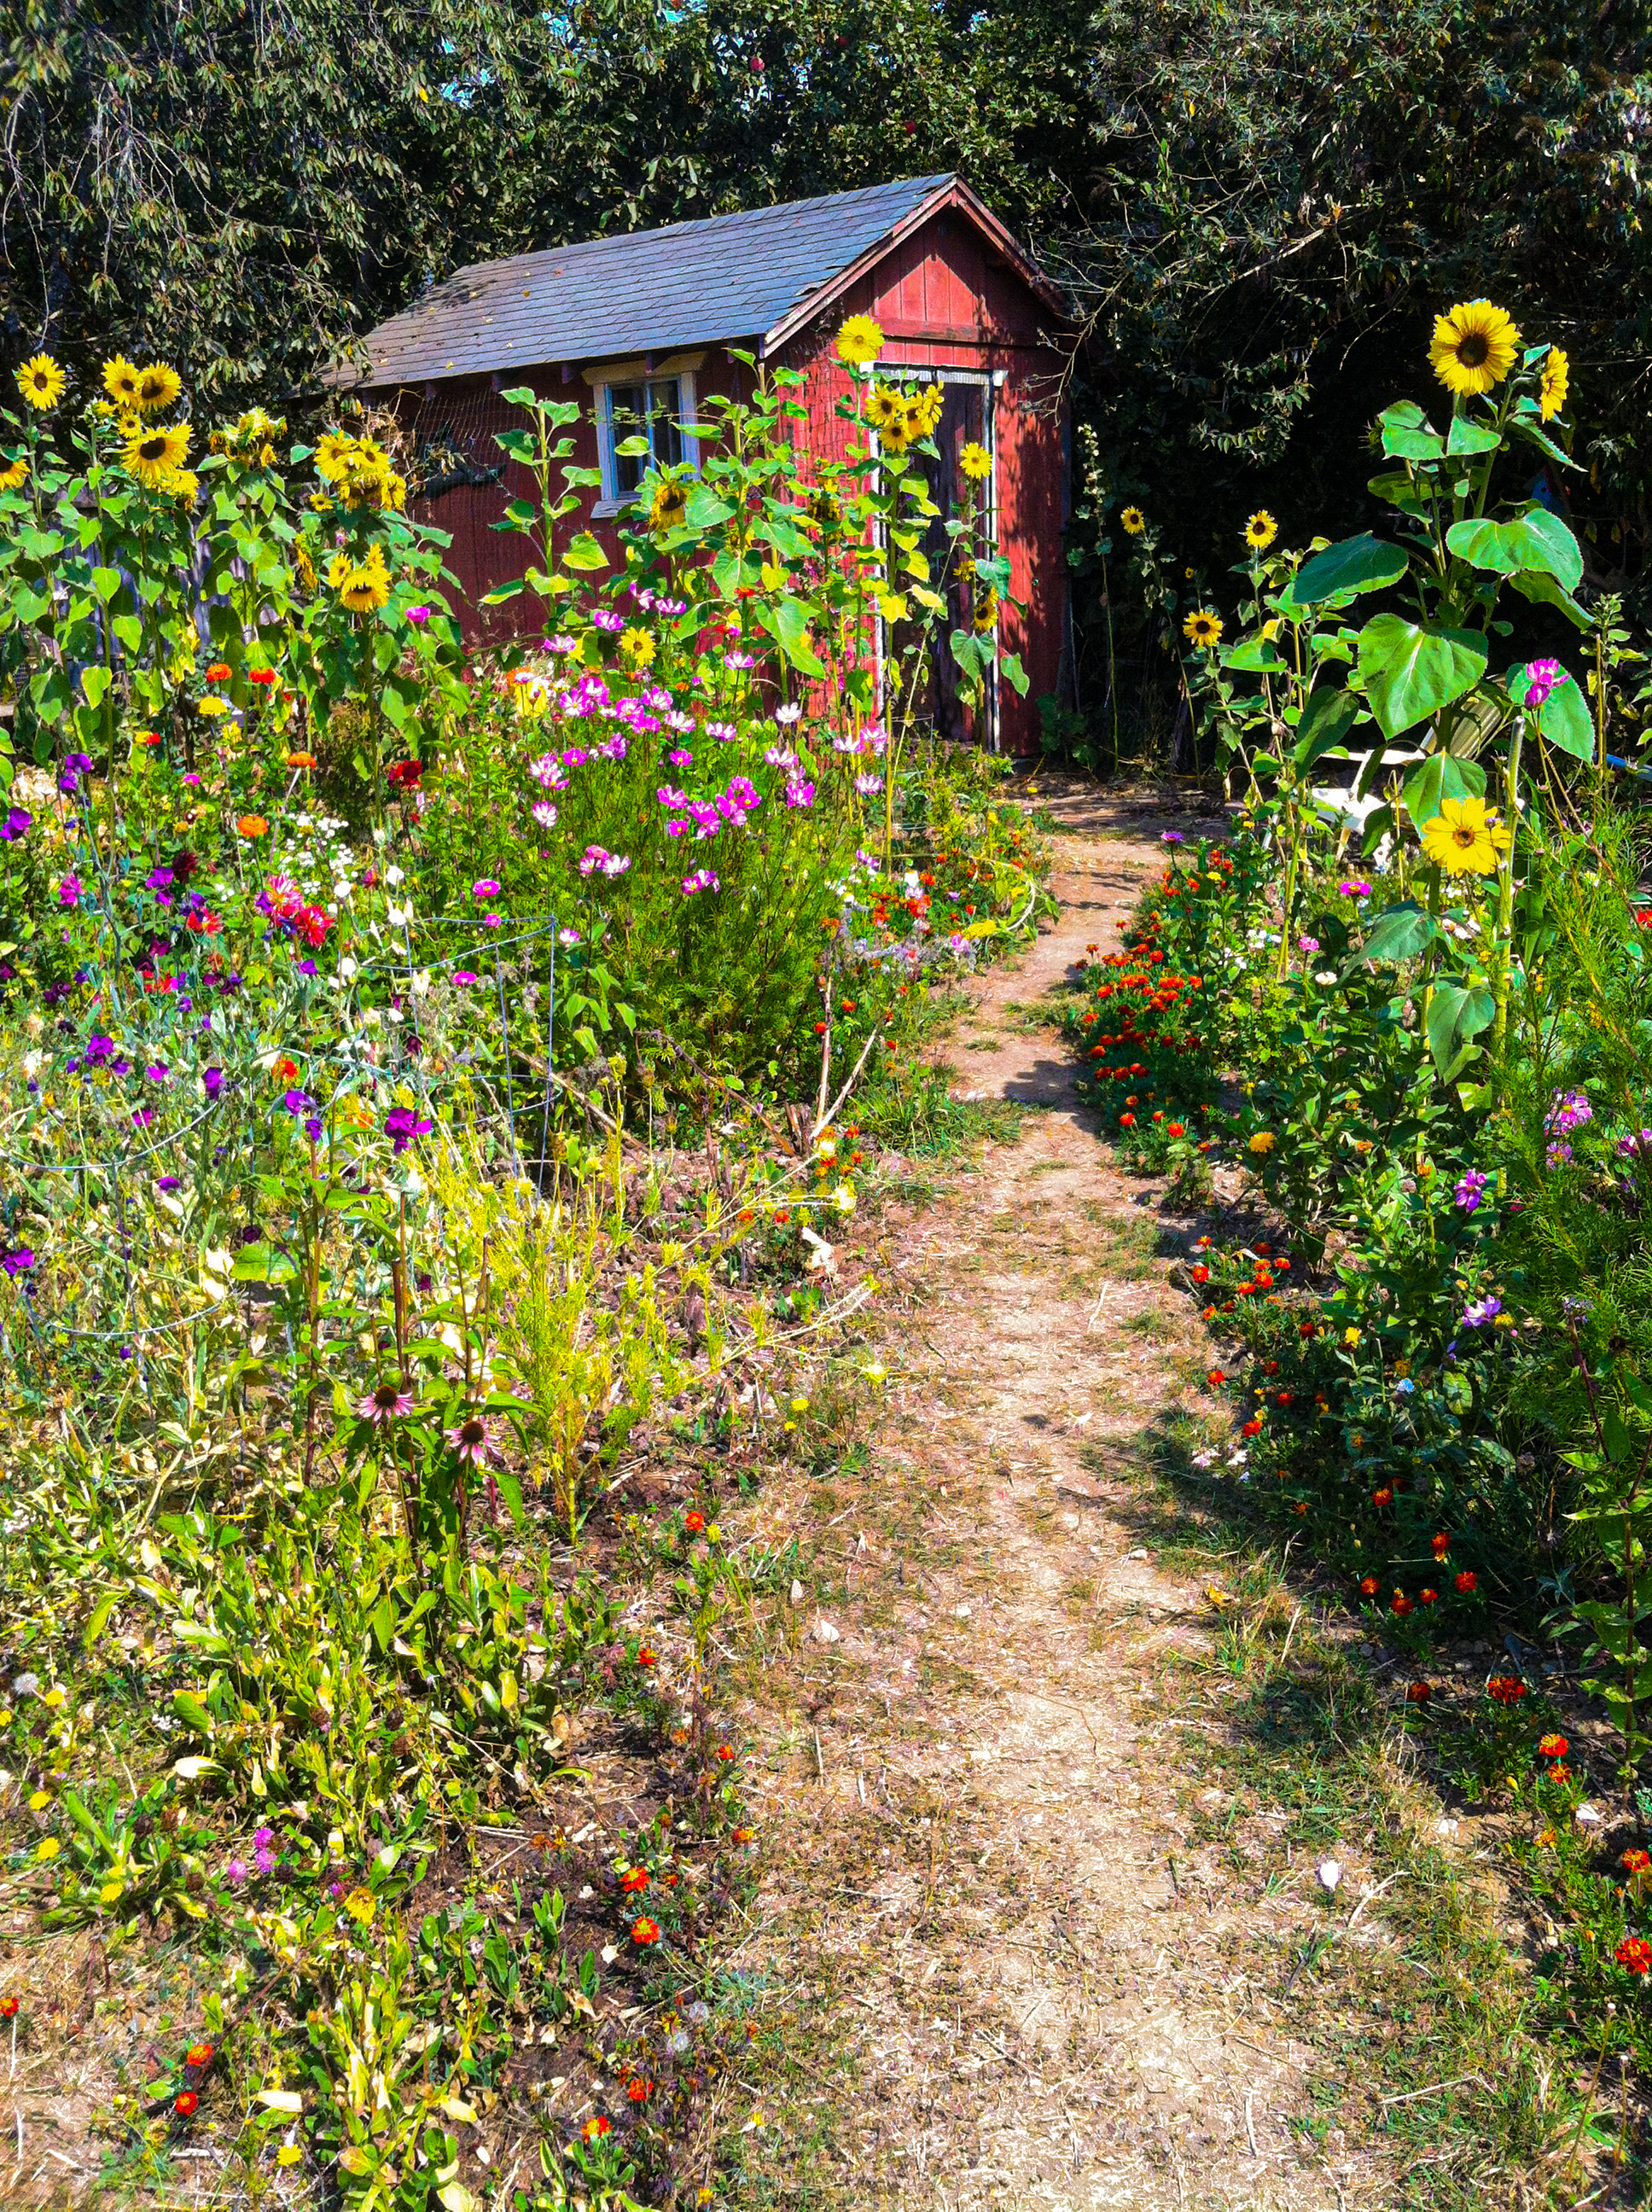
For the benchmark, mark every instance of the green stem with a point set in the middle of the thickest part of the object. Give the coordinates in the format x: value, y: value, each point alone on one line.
x: 1506, y: 906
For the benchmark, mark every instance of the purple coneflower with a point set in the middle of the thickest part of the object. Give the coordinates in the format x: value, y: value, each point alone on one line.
x: 389, y: 1403
x: 474, y: 1439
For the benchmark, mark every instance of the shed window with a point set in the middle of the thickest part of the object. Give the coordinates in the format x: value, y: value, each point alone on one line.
x: 651, y: 411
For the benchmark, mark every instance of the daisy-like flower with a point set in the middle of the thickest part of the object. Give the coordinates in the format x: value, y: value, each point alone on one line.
x: 120, y: 381
x: 1552, y: 386
x: 158, y: 387
x: 474, y: 1439
x: 1474, y: 348
x: 976, y: 462
x: 154, y: 456
x: 1202, y: 629
x: 362, y: 585
x: 41, y: 382
x: 1132, y: 521
x: 1260, y: 530
x: 389, y: 1403
x: 1465, y: 837
x: 14, y: 473
x: 859, y: 340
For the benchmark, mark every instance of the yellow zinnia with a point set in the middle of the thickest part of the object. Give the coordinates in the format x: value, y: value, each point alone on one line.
x: 41, y: 382
x: 158, y: 386
x: 976, y: 462
x: 14, y: 475
x: 121, y: 382
x: 1552, y: 390
x: 155, y: 456
x: 1474, y: 347
x: 859, y: 340
x: 1133, y: 522
x: 1260, y: 530
x: 638, y: 647
x: 364, y: 584
x: 1202, y: 629
x: 1465, y: 837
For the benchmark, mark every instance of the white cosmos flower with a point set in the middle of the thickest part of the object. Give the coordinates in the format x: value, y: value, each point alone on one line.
x: 393, y: 876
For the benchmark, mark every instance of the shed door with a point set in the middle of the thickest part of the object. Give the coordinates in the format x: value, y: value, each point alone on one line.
x: 966, y: 419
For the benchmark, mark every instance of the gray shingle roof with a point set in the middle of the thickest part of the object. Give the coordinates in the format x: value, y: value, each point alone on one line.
x: 652, y: 291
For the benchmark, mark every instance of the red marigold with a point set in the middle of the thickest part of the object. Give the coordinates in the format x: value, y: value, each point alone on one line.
x: 1383, y: 1496
x: 198, y: 2054
x: 1560, y: 1771
x: 639, y: 2089
x: 184, y: 2103
x: 1400, y: 1604
x: 1201, y: 1275
x: 726, y: 1750
x: 1306, y: 1330
x: 1553, y: 1746
x: 634, y: 1878
x: 260, y: 675
x: 694, y: 1522
x: 1216, y: 1378
x: 1127, y: 1120
x: 7, y: 2008
x: 1635, y: 1952
x: 1441, y: 1545
x: 1283, y: 1397
x: 644, y: 1931
x: 1368, y: 1586
x: 1252, y: 1428
x: 644, y: 1656
x: 1506, y: 1689
x: 1632, y: 1862
x: 1176, y: 1128
x: 1428, y: 1596
x: 1467, y: 1583
x: 1420, y: 1692
x: 596, y: 2126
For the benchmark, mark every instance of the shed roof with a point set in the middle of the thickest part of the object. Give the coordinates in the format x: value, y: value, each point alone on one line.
x: 751, y: 275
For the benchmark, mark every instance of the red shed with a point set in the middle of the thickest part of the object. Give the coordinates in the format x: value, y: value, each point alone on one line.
x: 641, y: 327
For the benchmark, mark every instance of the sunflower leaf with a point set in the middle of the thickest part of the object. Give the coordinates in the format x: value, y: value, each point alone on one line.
x: 1470, y: 437
x: 1357, y: 564
x: 1411, y: 670
x: 1439, y: 778
x: 1564, y: 719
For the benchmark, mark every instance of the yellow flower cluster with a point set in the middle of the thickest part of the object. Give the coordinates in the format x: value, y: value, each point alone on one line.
x: 252, y: 441
x: 901, y: 418
x: 362, y: 585
x: 357, y: 471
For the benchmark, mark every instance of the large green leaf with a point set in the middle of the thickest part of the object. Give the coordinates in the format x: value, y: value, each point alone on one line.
x: 1467, y: 436
x: 1437, y: 778
x: 1564, y: 719
x: 1357, y: 564
x: 1536, y: 540
x: 1252, y: 653
x: 1411, y: 670
x: 1407, y: 435
x: 584, y: 553
x: 788, y: 623
x: 1455, y: 1016
x: 1400, y: 933
x: 1325, y: 721
x: 1548, y: 592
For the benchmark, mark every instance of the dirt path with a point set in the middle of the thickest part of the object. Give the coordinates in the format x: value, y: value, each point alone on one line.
x: 1009, y: 1978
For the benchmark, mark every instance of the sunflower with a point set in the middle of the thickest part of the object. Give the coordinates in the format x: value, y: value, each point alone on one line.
x: 885, y: 409
x: 1260, y: 530
x: 985, y: 612
x: 304, y: 565
x: 153, y: 456
x: 14, y: 475
x: 859, y: 340
x: 121, y: 380
x: 976, y: 462
x: 928, y: 405
x: 825, y: 512
x: 158, y: 386
x: 1201, y: 628
x: 1465, y: 837
x: 669, y: 505
x: 1552, y: 390
x: 183, y: 485
x: 364, y: 584
x: 41, y: 382
x: 1474, y: 347
x: 333, y: 451
x: 914, y: 419
x: 1133, y: 522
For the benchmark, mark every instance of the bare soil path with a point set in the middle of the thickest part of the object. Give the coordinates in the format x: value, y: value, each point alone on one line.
x: 1009, y: 1977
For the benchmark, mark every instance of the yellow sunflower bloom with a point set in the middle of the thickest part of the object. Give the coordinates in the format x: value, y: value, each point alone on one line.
x: 333, y: 454
x: 669, y: 505
x: 976, y: 462
x: 986, y: 614
x: 183, y: 485
x: 1552, y: 390
x: 638, y: 647
x: 929, y: 404
x: 1133, y: 522
x: 1465, y: 837
x: 41, y: 382
x: 1260, y: 530
x: 1202, y: 629
x: 14, y: 475
x: 859, y: 340
x: 363, y: 586
x: 154, y: 456
x: 1474, y: 348
x: 885, y: 409
x: 158, y: 387
x: 120, y: 381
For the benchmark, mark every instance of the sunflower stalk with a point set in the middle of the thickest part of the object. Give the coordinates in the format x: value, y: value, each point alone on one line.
x: 1506, y: 908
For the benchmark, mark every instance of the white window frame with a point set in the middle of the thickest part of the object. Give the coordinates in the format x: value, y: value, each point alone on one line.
x: 613, y: 500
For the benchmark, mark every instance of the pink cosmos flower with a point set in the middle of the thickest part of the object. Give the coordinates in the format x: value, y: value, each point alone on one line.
x: 484, y: 887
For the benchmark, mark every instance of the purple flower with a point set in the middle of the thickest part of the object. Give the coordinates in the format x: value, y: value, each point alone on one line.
x: 605, y: 620
x: 168, y: 1182
x: 418, y: 616
x: 235, y: 1872
x: 484, y: 887
x: 464, y: 977
x: 191, y: 777
x: 1482, y: 1313
x: 702, y: 879
x: 99, y: 1048
x: 313, y: 1129
x: 15, y: 826
x: 156, y: 1071
x: 402, y: 1125
x: 295, y: 1101
x: 800, y: 791
x: 18, y: 1261
x: 68, y: 891
x: 1542, y: 676
x: 1558, y: 1155
x: 1308, y: 944
x: 1468, y: 1191
x: 212, y: 1081
x: 1568, y: 1110
x: 1353, y: 889
x: 159, y: 879
x: 680, y: 757
x: 142, y: 1117
x: 1171, y: 837
x: 1637, y: 1146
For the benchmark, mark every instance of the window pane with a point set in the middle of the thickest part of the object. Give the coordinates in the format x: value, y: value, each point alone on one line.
x: 666, y: 400
x: 627, y: 406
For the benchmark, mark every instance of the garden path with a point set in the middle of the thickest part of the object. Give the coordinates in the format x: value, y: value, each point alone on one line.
x: 1013, y: 1980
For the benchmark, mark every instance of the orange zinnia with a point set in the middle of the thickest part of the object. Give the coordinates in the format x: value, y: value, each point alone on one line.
x: 251, y: 825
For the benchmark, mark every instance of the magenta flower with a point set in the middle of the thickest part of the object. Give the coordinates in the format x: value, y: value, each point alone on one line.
x: 1542, y: 677
x: 485, y: 887
x: 68, y: 891
x: 389, y: 1403
x: 418, y: 616
x: 474, y: 1439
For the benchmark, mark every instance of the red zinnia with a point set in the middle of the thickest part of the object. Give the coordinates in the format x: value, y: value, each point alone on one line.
x: 640, y: 2090
x: 1506, y: 1689
x: 219, y: 672
x: 1635, y: 1952
x: 7, y: 2008
x: 726, y: 1750
x: 644, y: 1931
x: 644, y: 1656
x: 260, y: 675
x: 1216, y: 1378
x: 1442, y: 1545
x: 1553, y: 1746
x: 184, y: 2103
x: 1467, y: 1583
x: 198, y: 2054
x: 694, y: 1522
x: 634, y: 1878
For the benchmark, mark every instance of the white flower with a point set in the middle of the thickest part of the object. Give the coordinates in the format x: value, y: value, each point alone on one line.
x: 347, y: 969
x: 1205, y: 1459
x: 1330, y: 1874
x: 1587, y: 1817
x: 421, y: 982
x: 399, y: 916
x: 1327, y: 975
x: 393, y: 876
